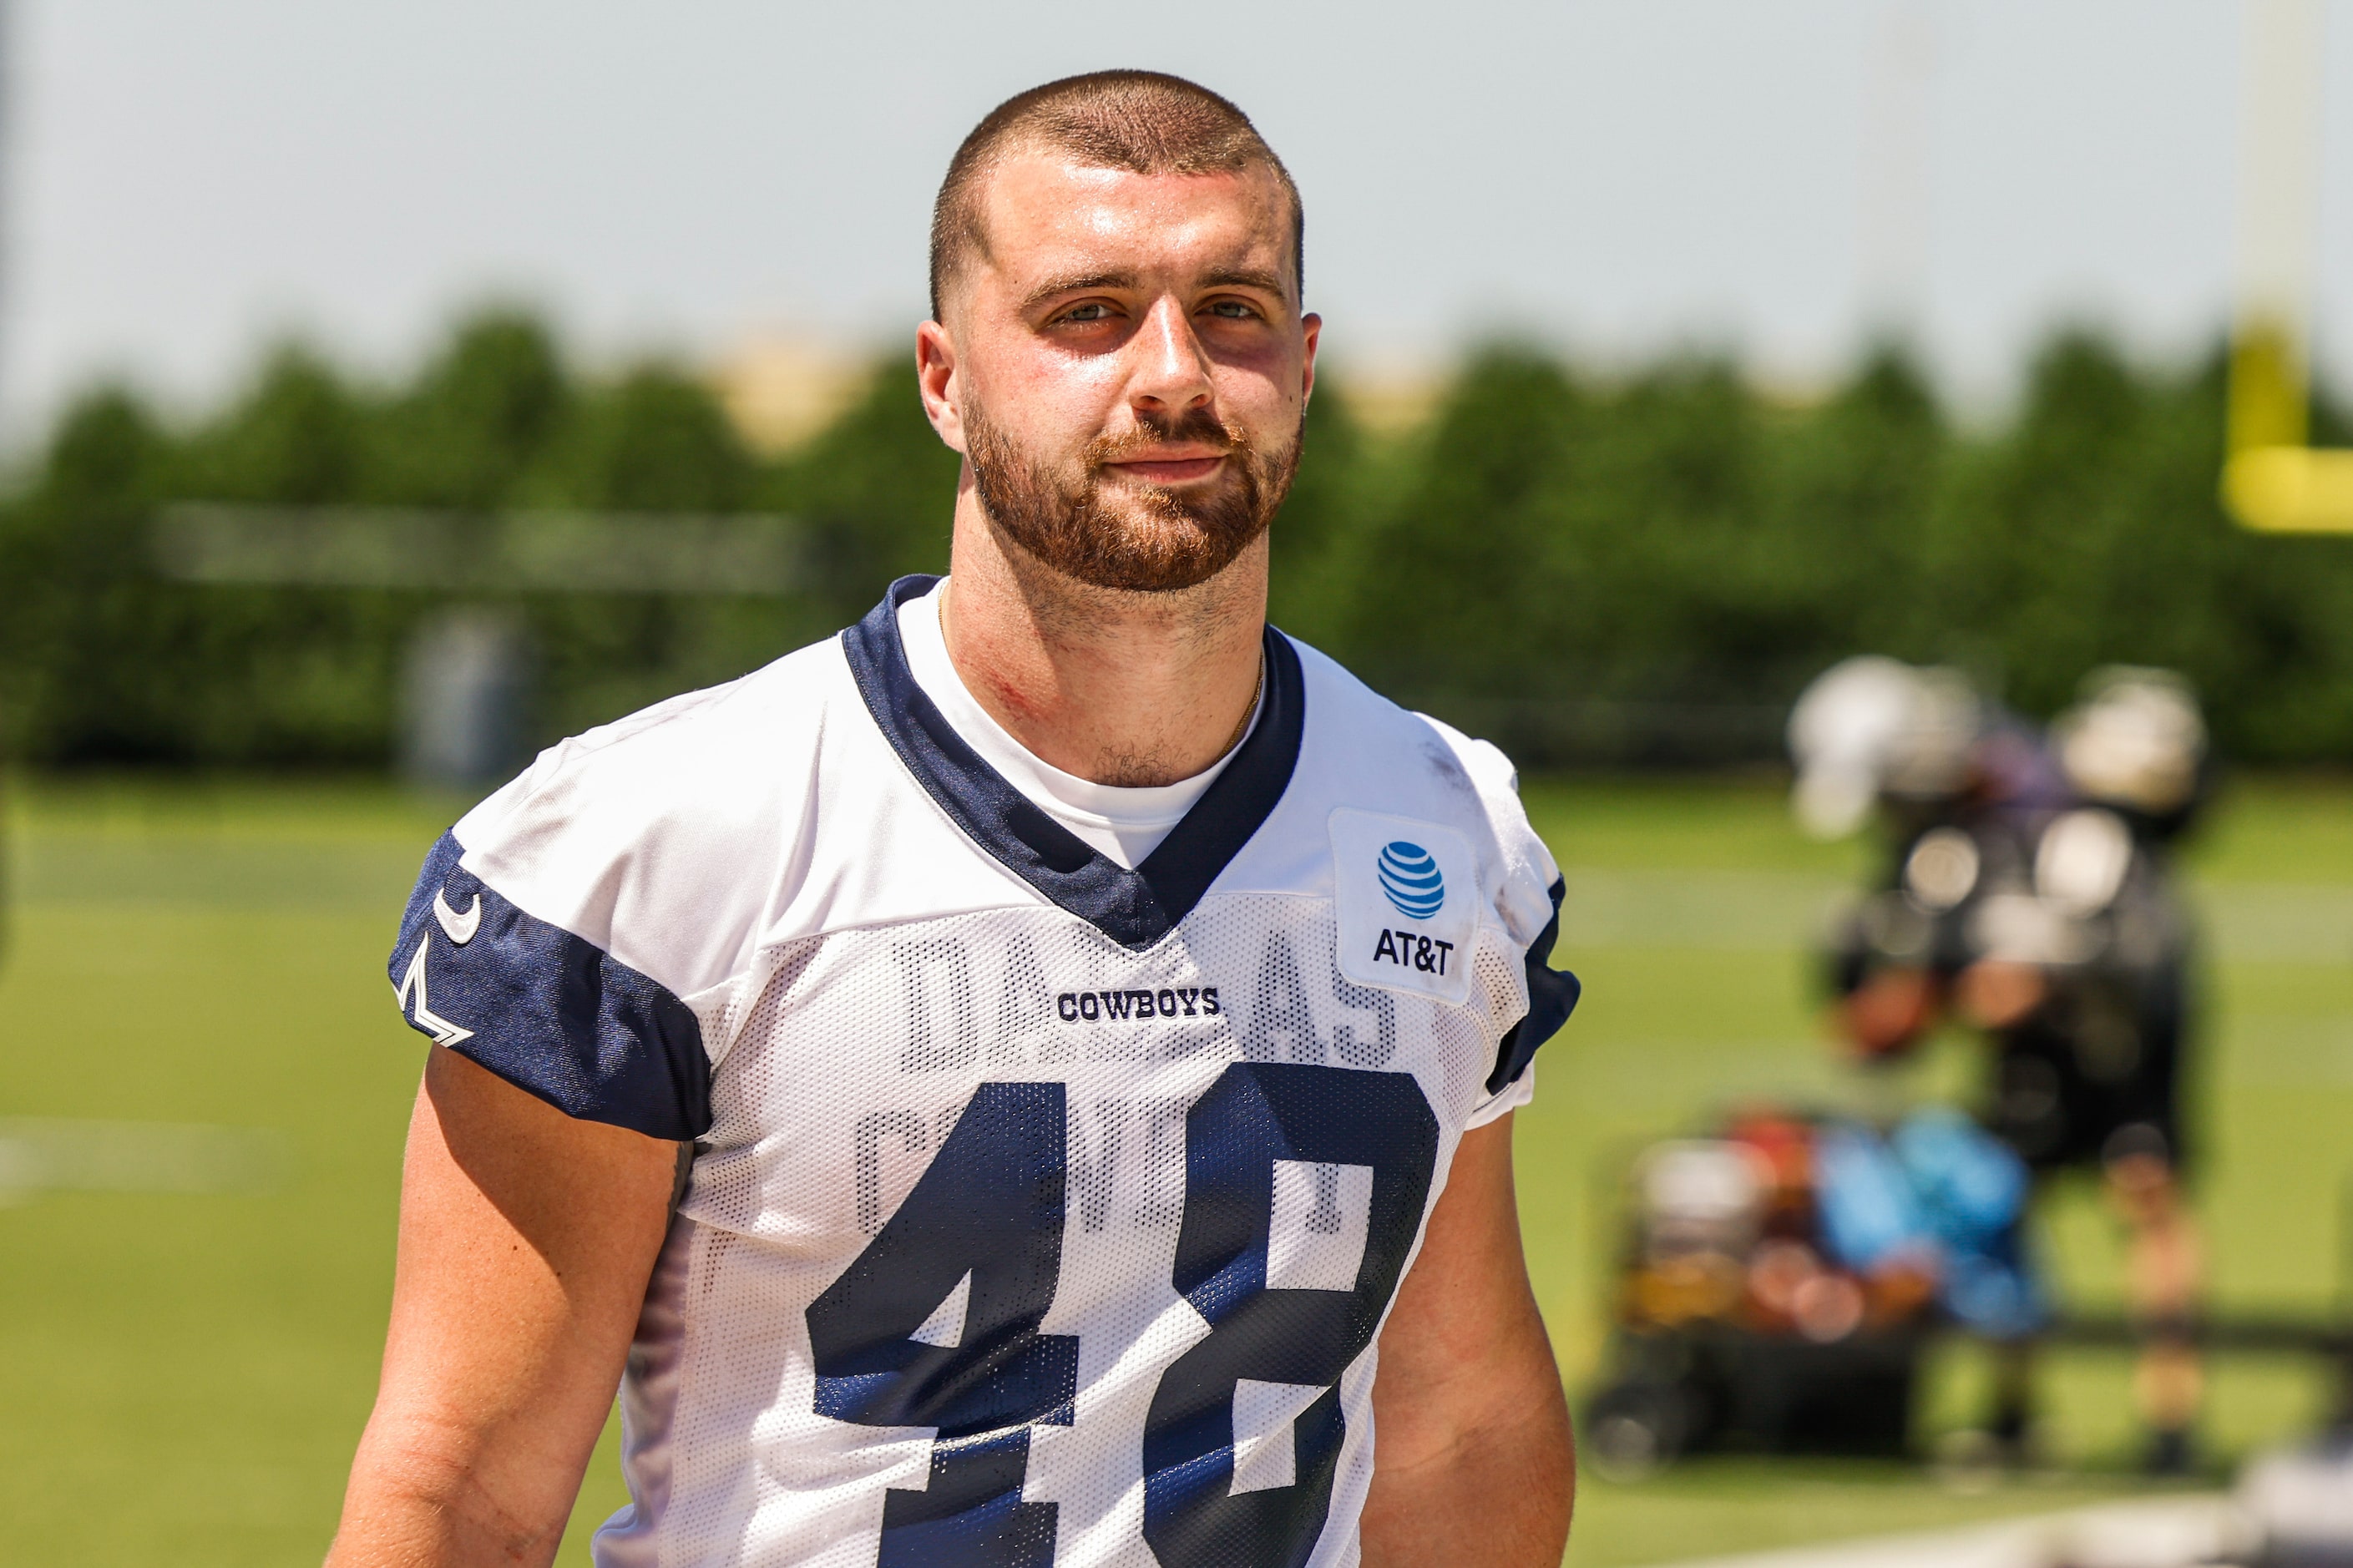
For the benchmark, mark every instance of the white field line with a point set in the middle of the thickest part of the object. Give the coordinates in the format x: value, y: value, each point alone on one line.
x: 61, y: 1154
x: 2167, y: 1532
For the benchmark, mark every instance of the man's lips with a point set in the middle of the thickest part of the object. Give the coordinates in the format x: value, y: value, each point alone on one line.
x: 1170, y: 471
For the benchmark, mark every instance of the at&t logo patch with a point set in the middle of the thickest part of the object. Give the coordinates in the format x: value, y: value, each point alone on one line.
x: 1407, y: 897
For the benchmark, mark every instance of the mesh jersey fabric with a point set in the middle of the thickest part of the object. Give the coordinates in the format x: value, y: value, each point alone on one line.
x: 1017, y: 1231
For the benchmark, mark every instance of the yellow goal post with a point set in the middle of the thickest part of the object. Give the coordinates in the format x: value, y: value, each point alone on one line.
x: 2273, y: 479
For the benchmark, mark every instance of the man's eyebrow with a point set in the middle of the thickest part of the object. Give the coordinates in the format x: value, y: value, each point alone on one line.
x: 1077, y: 282
x: 1222, y: 278
x: 1246, y: 277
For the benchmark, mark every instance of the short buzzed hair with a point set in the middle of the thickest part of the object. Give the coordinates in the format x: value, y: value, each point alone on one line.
x: 1142, y: 121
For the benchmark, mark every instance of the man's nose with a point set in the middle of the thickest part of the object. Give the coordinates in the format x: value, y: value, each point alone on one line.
x: 1171, y: 374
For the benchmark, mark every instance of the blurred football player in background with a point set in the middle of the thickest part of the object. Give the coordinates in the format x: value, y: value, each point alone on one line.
x: 2028, y: 894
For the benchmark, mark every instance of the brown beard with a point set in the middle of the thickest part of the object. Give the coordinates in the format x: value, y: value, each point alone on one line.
x: 1155, y: 541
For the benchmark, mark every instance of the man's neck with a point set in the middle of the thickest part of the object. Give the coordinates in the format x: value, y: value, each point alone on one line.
x: 1118, y: 688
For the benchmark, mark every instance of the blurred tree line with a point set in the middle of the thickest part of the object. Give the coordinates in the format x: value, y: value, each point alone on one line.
x: 1640, y: 568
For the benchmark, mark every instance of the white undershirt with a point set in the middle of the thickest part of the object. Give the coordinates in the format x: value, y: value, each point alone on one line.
x: 1125, y: 824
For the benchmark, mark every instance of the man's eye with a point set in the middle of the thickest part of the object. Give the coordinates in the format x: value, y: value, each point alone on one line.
x: 1233, y: 309
x: 1097, y: 312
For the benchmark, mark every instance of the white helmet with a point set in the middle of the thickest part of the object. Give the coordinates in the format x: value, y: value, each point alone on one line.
x: 1873, y: 725
x: 2135, y: 739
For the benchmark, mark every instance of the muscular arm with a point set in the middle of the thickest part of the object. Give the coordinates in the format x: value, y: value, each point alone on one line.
x: 526, y: 1240
x: 1472, y: 1458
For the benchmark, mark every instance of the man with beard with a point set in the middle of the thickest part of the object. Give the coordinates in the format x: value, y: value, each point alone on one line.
x: 994, y: 1088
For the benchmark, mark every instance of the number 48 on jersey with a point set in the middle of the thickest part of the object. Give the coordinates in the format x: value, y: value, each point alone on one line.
x: 937, y: 1323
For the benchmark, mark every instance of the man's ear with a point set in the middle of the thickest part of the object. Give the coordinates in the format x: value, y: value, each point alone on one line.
x: 1311, y: 327
x: 938, y: 380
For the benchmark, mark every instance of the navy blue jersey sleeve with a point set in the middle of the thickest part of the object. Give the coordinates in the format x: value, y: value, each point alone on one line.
x: 1552, y: 998
x: 546, y: 1010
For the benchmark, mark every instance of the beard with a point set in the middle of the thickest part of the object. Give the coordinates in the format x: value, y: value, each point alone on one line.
x: 1138, y: 537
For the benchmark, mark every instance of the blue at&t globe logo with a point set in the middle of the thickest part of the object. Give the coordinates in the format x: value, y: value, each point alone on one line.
x: 1409, y: 877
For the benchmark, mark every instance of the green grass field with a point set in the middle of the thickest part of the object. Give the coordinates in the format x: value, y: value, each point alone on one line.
x: 183, y: 1374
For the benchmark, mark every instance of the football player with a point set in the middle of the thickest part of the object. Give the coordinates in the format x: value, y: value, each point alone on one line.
x: 2028, y: 893
x: 1028, y: 1080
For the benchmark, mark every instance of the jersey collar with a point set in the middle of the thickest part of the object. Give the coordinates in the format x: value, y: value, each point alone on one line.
x: 1134, y: 908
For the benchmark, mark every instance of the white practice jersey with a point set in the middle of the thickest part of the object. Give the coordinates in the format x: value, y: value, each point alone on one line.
x: 1043, y: 1213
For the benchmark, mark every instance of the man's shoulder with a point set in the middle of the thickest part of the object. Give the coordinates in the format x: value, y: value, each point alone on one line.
x: 1352, y: 728
x: 750, y: 716
x: 629, y: 834
x: 706, y: 746
x: 1363, y: 752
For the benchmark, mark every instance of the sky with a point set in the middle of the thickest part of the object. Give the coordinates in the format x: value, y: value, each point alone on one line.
x: 1621, y: 177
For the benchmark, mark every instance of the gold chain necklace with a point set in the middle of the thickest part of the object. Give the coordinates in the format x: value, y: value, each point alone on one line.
x: 1249, y: 709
